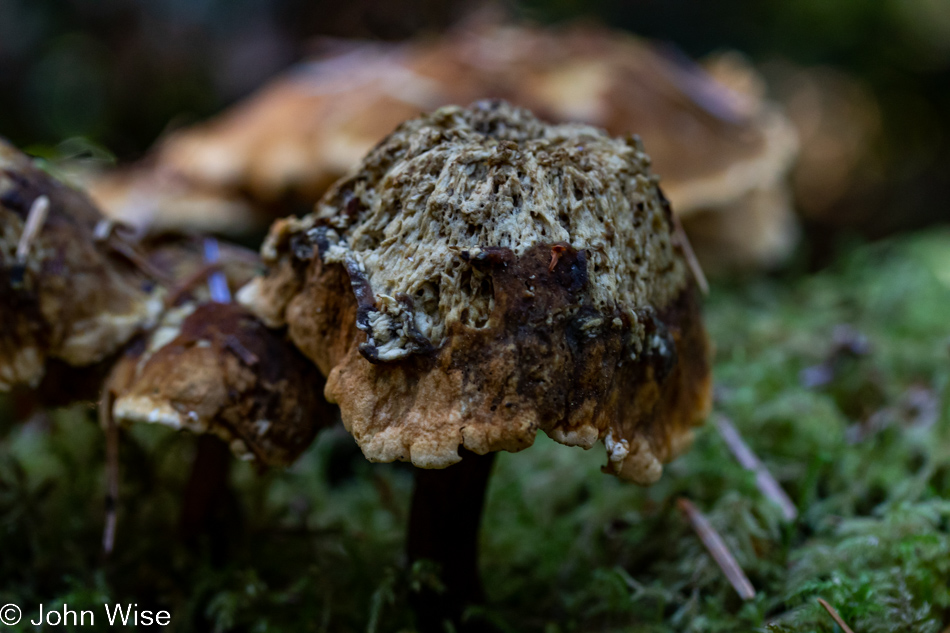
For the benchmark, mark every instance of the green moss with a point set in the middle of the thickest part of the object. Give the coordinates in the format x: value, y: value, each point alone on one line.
x: 565, y: 548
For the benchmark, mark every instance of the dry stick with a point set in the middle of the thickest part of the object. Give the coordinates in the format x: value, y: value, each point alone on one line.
x: 112, y: 468
x: 697, y: 270
x: 104, y: 232
x: 140, y: 262
x: 34, y: 223
x: 834, y: 616
x: 747, y: 459
x: 189, y: 283
x: 717, y: 549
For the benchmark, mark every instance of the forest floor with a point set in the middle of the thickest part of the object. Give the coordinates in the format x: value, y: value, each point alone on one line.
x: 838, y: 381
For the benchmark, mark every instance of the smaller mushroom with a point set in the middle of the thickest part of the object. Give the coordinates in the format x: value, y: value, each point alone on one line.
x: 838, y: 120
x: 66, y: 295
x: 209, y: 366
x: 212, y: 368
x: 215, y: 368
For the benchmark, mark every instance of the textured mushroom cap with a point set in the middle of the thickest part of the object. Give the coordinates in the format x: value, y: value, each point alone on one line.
x: 483, y: 275
x: 73, y: 298
x: 214, y: 368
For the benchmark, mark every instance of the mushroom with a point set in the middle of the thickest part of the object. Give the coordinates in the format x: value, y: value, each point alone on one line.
x: 70, y: 294
x: 212, y: 368
x: 722, y: 150
x: 839, y: 122
x: 482, y: 276
x: 78, y: 290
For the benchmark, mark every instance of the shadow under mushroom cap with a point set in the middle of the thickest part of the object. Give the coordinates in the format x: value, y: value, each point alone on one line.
x: 484, y: 275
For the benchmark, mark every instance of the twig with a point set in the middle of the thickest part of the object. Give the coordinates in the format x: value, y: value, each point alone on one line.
x: 34, y: 224
x: 189, y: 283
x: 112, y: 468
x: 748, y: 460
x: 683, y: 241
x: 248, y: 357
x: 834, y: 616
x: 137, y: 260
x: 717, y: 549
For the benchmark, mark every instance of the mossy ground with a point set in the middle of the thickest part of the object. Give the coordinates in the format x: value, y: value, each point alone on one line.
x: 865, y: 457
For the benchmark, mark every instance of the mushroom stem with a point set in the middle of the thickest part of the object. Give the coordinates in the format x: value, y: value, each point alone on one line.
x: 207, y: 491
x: 443, y: 527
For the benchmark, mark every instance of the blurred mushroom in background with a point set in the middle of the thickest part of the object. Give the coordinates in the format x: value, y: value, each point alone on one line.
x: 161, y: 200
x: 839, y: 125
x: 723, y: 153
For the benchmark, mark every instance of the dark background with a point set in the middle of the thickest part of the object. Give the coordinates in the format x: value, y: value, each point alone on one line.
x: 116, y: 73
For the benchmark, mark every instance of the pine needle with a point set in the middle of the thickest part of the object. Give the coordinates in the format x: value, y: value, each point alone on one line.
x: 834, y: 616
x: 136, y: 259
x: 112, y: 468
x: 35, y: 220
x: 681, y: 238
x: 189, y: 283
x: 764, y: 480
x: 717, y: 549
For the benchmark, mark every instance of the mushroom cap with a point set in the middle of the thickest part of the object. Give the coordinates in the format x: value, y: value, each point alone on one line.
x: 714, y: 139
x: 711, y: 142
x: 157, y: 200
x: 214, y: 368
x: 838, y: 121
x: 483, y: 275
x: 72, y: 297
